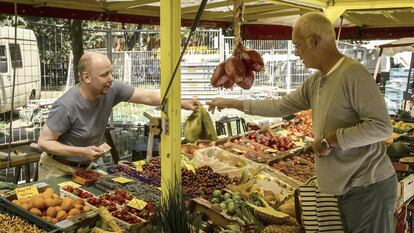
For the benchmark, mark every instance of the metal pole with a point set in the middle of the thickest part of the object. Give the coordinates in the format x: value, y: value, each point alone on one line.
x: 408, y: 80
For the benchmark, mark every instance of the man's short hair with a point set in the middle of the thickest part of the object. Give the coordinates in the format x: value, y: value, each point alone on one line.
x: 84, y: 63
x: 315, y: 23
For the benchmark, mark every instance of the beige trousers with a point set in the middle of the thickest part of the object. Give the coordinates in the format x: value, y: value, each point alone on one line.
x: 49, y: 167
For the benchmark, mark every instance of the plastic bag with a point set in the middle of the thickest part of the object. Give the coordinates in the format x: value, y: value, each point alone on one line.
x: 199, y: 126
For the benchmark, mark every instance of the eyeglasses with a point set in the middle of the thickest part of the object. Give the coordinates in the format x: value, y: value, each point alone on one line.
x: 298, y: 44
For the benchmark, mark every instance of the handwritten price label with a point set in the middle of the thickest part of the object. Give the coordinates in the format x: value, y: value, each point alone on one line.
x: 26, y: 192
x: 137, y: 204
x: 122, y: 180
x: 138, y: 165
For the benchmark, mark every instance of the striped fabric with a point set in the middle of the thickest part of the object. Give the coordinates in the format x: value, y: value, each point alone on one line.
x: 319, y: 212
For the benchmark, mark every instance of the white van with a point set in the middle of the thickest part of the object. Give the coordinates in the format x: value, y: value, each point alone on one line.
x: 24, y: 56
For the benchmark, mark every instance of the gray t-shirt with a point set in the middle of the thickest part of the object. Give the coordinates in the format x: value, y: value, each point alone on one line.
x: 81, y: 122
x: 348, y: 101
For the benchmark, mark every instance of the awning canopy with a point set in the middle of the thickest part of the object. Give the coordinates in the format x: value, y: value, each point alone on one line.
x: 369, y: 19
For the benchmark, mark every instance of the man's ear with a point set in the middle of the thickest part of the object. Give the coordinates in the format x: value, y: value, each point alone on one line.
x: 86, y: 77
x: 314, y: 40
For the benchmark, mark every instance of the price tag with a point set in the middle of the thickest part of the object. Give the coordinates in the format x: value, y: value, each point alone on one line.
x: 122, y: 180
x: 137, y: 204
x: 138, y: 165
x: 69, y: 183
x: 189, y: 167
x: 26, y: 192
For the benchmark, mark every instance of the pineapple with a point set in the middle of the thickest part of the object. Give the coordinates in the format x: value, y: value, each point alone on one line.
x: 280, y: 229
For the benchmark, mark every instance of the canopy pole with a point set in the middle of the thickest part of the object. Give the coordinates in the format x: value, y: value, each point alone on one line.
x: 170, y: 27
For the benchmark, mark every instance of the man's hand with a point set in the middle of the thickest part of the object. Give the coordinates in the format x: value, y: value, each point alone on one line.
x: 216, y: 103
x: 92, y: 153
x: 190, y: 104
x: 319, y: 149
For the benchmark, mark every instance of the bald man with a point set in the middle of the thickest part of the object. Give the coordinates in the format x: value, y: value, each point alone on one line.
x: 350, y: 122
x: 76, y: 123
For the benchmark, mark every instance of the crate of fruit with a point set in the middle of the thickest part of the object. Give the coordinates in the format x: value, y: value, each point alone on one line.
x: 245, y: 151
x: 222, y: 161
x: 26, y: 222
x: 129, y: 172
x: 74, y: 192
x: 85, y: 176
x: 221, y: 209
x: 296, y: 167
x: 66, y: 213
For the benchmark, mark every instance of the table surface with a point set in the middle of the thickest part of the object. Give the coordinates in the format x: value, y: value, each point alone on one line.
x: 32, y: 156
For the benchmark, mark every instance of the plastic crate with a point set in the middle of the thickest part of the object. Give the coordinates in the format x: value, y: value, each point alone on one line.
x: 7, y: 207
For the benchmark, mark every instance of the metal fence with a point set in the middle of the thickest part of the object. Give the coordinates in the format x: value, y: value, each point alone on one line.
x: 140, y: 66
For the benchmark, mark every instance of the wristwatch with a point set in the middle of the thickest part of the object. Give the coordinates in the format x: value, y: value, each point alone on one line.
x: 325, y: 143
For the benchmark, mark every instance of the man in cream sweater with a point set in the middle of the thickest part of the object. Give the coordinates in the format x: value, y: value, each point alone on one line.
x: 350, y: 121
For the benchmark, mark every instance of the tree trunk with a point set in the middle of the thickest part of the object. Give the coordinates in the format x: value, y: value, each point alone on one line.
x: 76, y: 33
x: 135, y: 37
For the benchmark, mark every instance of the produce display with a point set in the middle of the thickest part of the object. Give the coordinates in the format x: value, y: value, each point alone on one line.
x: 51, y: 207
x: 251, y: 150
x: 301, y: 124
x: 248, y: 181
x: 126, y: 216
x: 78, y: 192
x: 102, y: 202
x: 273, y: 141
x: 201, y: 183
x: 225, y: 201
x: 85, y: 177
x: 137, y: 188
x: 402, y: 126
x: 9, y: 223
x: 295, y: 167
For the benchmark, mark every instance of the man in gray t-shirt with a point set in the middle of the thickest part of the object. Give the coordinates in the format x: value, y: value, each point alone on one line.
x: 77, y: 121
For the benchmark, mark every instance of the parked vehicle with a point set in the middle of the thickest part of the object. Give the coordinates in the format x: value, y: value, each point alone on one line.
x: 20, y: 52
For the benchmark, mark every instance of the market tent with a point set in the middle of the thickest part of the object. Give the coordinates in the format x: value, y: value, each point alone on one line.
x: 394, y: 47
x: 264, y: 19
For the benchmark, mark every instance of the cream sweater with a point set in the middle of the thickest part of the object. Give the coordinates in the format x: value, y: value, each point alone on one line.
x: 346, y: 100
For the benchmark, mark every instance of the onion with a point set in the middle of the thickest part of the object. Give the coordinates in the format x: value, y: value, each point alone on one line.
x: 235, y: 69
x: 217, y: 74
x: 247, y: 82
x: 252, y: 59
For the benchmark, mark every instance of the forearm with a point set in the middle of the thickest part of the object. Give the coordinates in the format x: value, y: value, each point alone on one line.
x: 365, y: 133
x: 55, y: 147
x: 272, y: 107
x: 232, y: 103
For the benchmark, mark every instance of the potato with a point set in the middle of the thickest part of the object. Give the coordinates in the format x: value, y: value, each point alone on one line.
x: 79, y: 201
x: 61, y: 215
x: 35, y: 211
x: 67, y: 204
x: 26, y: 206
x: 38, y: 202
x: 74, y: 212
x: 50, y: 202
x: 51, y: 212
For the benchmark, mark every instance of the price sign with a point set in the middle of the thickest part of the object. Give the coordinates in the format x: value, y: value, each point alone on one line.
x: 189, y: 167
x: 122, y: 180
x: 138, y: 165
x: 137, y: 204
x: 26, y: 192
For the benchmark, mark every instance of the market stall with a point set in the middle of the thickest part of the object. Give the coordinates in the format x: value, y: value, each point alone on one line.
x: 245, y: 183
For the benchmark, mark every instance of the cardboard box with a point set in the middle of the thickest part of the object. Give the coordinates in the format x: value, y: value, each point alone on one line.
x: 406, y: 188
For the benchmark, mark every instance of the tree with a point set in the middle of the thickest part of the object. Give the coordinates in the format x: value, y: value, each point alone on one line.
x: 76, y: 33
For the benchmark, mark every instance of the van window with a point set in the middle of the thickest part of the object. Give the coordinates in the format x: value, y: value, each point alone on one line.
x: 15, y: 55
x: 3, y: 59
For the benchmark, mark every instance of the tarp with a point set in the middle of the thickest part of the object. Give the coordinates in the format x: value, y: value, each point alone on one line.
x: 402, y: 45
